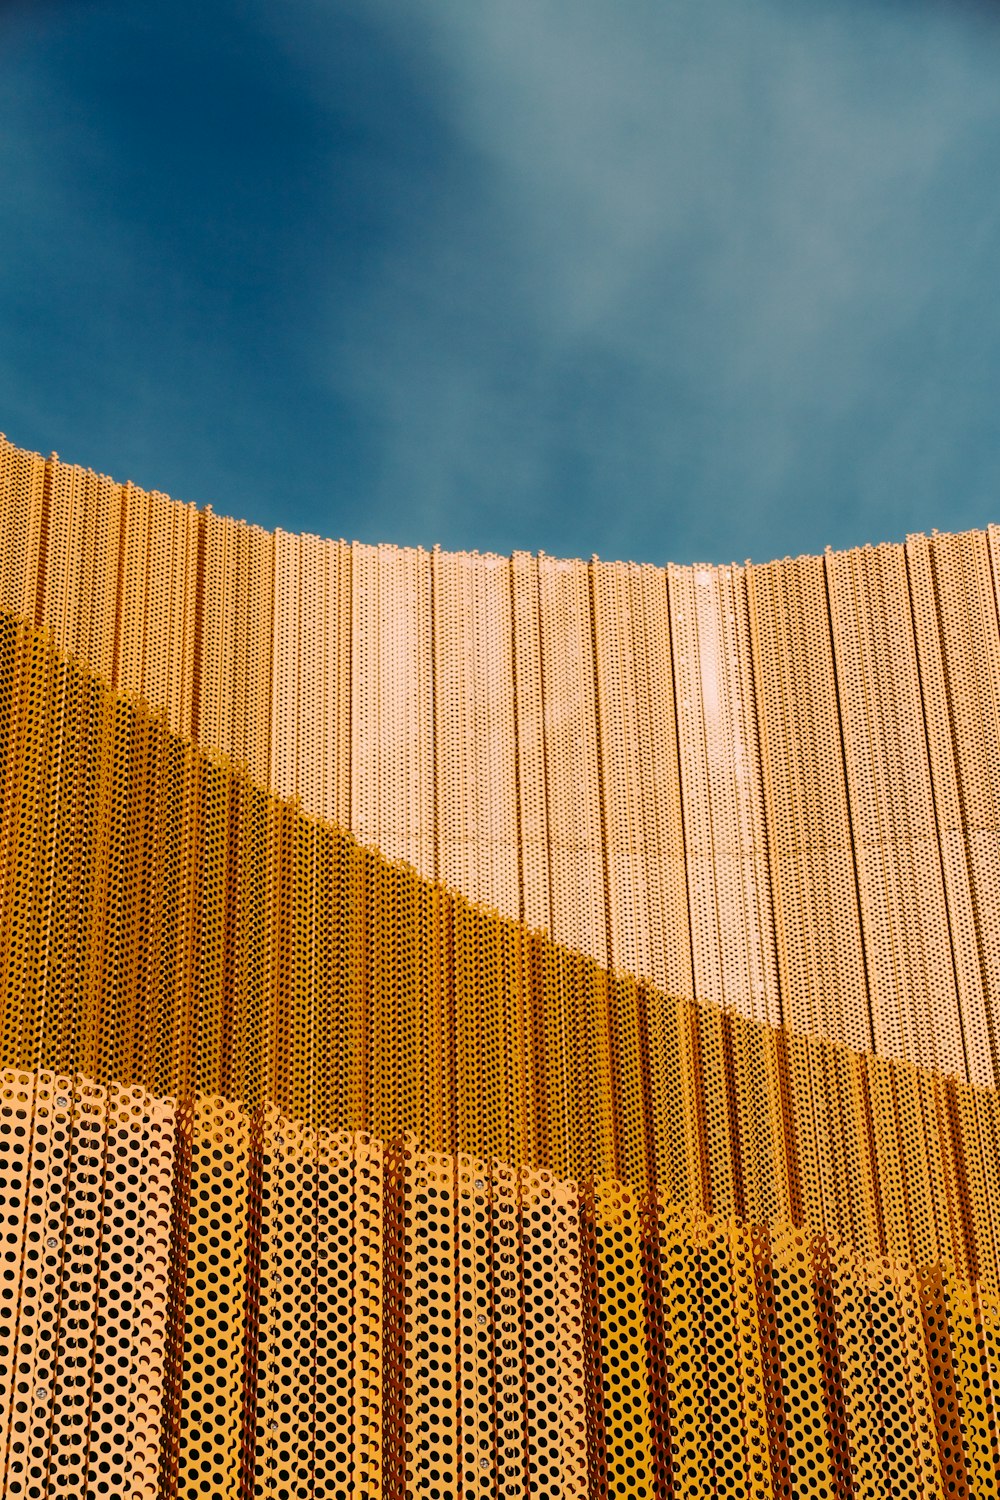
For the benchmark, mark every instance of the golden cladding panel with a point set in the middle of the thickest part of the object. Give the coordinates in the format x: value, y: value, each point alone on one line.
x: 732, y: 926
x: 78, y: 598
x: 215, y: 1302
x: 530, y: 731
x: 87, y: 1181
x: 155, y: 628
x: 392, y: 719
x: 959, y: 890
x: 310, y: 683
x: 314, y: 1325
x: 475, y: 729
x: 285, y: 671
x: 555, y: 1345
x: 328, y: 1170
x: 644, y: 845
x: 218, y: 679
x: 535, y: 908
x: 558, y: 1337
x: 624, y: 1382
x: 283, y: 1324
x: 915, y: 1010
x: 957, y: 640
x: 576, y: 839
x: 233, y: 650
x: 22, y: 511
x: 820, y: 958
x: 170, y: 924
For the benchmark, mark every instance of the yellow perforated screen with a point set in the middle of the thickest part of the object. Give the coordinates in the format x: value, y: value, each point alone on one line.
x: 478, y: 1026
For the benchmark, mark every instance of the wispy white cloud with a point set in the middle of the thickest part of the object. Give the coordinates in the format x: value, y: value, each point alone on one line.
x: 706, y: 263
x: 685, y: 278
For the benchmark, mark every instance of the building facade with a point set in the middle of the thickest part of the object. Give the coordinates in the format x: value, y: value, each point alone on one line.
x: 492, y: 1026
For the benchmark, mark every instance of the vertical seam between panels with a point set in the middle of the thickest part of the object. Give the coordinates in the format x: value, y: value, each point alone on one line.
x: 756, y: 707
x: 963, y: 812
x: 435, y: 826
x: 935, y: 799
x: 44, y: 520
x: 270, y: 605
x: 847, y: 798
x: 119, y: 579
x: 610, y: 955
x: 668, y: 595
x: 517, y: 736
x: 544, y: 730
x: 202, y: 519
x: 347, y: 655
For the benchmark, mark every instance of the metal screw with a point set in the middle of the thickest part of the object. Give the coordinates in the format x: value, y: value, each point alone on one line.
x: 52, y: 1243
x: 62, y: 1102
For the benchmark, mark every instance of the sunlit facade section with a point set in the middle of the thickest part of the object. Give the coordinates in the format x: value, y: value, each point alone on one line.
x: 480, y: 1026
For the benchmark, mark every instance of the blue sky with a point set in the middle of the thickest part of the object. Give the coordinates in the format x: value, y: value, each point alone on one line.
x: 694, y: 279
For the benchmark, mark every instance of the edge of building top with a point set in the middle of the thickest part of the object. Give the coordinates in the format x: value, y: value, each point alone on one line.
x: 208, y: 508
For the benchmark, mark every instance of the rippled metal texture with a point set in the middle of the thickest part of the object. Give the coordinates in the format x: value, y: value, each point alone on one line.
x: 326, y: 1173
x: 775, y: 787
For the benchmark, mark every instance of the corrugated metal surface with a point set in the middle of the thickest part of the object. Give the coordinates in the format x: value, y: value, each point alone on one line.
x: 486, y: 1026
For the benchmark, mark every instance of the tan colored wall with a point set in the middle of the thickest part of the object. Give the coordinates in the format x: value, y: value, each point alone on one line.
x: 775, y: 787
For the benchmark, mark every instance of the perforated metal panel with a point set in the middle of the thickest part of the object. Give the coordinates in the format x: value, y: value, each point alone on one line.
x: 732, y: 928
x: 821, y: 964
x: 741, y: 794
x: 572, y: 767
x: 474, y: 729
x: 911, y: 974
x: 392, y: 709
x: 643, y: 827
x: 168, y: 923
x: 612, y: 1113
x: 87, y: 1180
